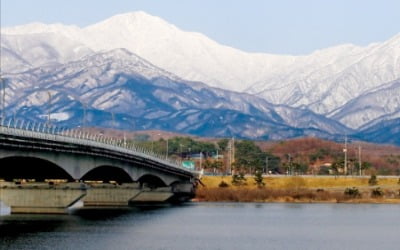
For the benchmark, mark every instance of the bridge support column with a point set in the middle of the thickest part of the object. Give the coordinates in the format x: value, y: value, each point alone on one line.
x: 41, y: 197
x: 110, y: 195
x: 183, y: 192
x: 153, y: 195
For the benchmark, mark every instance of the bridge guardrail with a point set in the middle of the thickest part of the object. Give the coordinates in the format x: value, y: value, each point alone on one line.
x: 78, y: 137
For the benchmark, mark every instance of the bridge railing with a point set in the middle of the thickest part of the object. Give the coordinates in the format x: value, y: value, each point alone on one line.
x: 53, y: 133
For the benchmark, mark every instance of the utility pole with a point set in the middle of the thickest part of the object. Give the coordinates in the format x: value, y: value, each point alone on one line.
x: 359, y: 159
x: 201, y: 156
x: 232, y: 154
x: 266, y: 164
x: 345, y: 155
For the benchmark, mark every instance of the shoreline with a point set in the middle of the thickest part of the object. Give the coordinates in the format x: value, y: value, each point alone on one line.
x: 360, y: 201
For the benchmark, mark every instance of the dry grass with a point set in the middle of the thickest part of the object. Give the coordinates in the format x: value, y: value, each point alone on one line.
x: 265, y: 194
x: 298, y: 189
x: 303, y: 182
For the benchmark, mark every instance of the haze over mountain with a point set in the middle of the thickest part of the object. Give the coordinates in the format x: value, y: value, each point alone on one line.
x: 356, y: 86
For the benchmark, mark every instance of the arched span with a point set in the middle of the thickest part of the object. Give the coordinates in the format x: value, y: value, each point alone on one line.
x: 151, y: 181
x: 19, y: 167
x: 107, y: 174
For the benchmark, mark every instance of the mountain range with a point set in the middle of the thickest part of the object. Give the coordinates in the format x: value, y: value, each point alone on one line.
x: 136, y: 71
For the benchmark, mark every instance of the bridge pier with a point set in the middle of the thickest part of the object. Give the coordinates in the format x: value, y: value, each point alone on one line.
x: 111, y: 195
x: 152, y: 195
x: 41, y: 198
x: 183, y: 192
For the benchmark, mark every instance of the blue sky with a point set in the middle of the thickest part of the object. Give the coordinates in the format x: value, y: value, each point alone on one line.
x: 276, y: 26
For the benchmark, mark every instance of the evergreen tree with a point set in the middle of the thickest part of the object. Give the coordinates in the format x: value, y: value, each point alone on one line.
x: 373, y: 180
x: 259, y: 178
x: 223, y: 144
x: 239, y: 179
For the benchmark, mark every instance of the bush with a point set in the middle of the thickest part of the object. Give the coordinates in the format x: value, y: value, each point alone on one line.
x: 352, y: 192
x: 377, y: 192
x: 373, y: 180
x: 258, y: 178
x: 223, y: 184
x: 239, y: 179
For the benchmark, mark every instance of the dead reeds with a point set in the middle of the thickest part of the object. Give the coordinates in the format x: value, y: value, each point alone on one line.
x: 243, y: 194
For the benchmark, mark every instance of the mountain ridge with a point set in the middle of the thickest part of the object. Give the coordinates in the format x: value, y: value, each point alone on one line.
x: 324, y: 82
x: 161, y: 100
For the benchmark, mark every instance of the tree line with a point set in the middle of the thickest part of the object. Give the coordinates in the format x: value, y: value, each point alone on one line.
x: 244, y: 157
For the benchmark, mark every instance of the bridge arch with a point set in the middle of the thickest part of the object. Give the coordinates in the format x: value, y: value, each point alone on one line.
x: 151, y: 181
x: 107, y: 173
x: 28, y: 167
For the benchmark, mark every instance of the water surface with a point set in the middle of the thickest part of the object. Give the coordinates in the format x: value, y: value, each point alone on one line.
x: 210, y: 226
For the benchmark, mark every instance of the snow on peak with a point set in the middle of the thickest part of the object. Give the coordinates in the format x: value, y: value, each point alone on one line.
x: 133, y: 17
x: 37, y: 27
x: 322, y: 81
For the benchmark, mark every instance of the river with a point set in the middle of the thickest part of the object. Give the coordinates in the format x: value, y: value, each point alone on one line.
x: 210, y: 226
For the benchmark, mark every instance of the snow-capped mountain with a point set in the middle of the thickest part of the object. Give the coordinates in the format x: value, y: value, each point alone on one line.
x: 22, y: 52
x: 327, y: 79
x: 371, y: 108
x: 142, y: 96
x: 189, y: 55
x: 322, y: 81
x: 335, y: 83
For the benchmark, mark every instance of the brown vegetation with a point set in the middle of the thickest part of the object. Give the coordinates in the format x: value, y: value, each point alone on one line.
x: 383, y: 159
x: 291, y: 195
x: 300, y: 189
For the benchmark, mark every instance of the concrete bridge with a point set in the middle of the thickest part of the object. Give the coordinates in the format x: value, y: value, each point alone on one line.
x: 44, y: 169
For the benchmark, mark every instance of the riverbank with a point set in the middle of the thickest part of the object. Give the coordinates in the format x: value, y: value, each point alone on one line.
x: 308, y: 189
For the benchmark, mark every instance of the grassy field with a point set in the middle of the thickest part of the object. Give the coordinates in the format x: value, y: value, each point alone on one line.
x: 301, y: 189
x: 312, y: 182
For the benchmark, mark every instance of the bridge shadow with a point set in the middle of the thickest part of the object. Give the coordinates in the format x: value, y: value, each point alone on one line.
x: 15, y: 226
x: 112, y: 213
x: 12, y: 226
